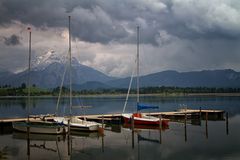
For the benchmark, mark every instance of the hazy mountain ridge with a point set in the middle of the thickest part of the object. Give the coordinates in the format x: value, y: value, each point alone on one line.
x: 48, y: 70
x: 205, y: 78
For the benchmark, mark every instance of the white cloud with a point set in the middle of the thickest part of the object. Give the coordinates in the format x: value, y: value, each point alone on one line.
x: 153, y: 5
x: 205, y: 15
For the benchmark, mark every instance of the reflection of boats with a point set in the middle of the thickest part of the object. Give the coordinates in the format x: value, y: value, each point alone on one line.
x: 40, y: 141
x: 43, y: 146
x: 74, y: 122
x: 40, y: 126
x: 141, y: 138
x: 140, y: 118
x: 142, y: 127
x: 85, y: 134
x: 38, y: 137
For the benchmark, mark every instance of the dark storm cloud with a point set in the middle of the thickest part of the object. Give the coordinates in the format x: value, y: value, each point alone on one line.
x: 89, y: 21
x: 12, y: 40
x: 178, y: 34
x: 115, y: 20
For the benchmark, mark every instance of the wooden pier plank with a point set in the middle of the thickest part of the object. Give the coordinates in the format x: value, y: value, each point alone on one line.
x: 179, y: 113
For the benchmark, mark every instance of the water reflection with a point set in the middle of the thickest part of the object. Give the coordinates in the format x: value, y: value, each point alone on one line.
x: 204, y: 138
x: 139, y: 143
x: 128, y: 143
x: 16, y: 107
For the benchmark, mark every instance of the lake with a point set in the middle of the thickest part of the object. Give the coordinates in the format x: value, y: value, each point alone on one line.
x: 210, y: 142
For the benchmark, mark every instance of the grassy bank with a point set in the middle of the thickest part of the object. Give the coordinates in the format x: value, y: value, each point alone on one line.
x: 133, y: 95
x: 146, y: 91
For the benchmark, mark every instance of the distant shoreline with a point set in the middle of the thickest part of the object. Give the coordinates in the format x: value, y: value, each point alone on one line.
x: 134, y: 95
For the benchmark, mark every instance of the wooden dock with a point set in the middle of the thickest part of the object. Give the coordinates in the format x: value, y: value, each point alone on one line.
x: 190, y: 114
x: 117, y: 117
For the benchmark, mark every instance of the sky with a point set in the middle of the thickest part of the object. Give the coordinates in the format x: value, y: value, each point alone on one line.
x: 181, y: 35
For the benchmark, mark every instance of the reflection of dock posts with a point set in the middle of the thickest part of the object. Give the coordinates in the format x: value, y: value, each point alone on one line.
x: 185, y: 126
x: 132, y: 126
x: 227, y: 131
x: 160, y: 128
x: 102, y: 143
x: 207, y: 125
x: 200, y: 115
x: 69, y: 145
x: 103, y: 133
x: 28, y: 141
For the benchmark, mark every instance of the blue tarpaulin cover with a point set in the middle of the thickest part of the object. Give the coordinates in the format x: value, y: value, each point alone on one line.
x: 144, y: 106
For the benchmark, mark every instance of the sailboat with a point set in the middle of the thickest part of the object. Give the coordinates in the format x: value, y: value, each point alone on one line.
x: 37, y: 126
x: 73, y: 121
x: 140, y: 118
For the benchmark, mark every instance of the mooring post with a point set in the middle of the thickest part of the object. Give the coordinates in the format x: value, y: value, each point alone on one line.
x: 69, y: 127
x: 227, y: 131
x: 69, y: 145
x: 200, y: 114
x: 207, y: 125
x: 185, y: 126
x: 28, y: 141
x: 103, y: 143
x: 132, y: 126
x: 102, y: 121
x: 132, y: 122
x: 160, y: 128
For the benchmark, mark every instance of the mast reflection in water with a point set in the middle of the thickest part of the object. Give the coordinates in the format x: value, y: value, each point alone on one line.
x: 207, y: 139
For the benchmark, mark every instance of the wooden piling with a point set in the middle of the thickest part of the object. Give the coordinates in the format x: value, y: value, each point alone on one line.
x: 185, y: 126
x: 200, y: 114
x: 207, y: 125
x: 28, y: 141
x: 132, y: 122
x: 132, y: 126
x: 160, y: 129
x: 227, y: 131
x: 200, y: 111
x: 102, y: 121
x: 69, y: 145
x: 103, y: 143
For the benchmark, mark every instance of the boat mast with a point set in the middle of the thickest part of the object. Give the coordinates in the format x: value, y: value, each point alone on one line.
x: 70, y: 65
x: 29, y: 69
x: 137, y: 65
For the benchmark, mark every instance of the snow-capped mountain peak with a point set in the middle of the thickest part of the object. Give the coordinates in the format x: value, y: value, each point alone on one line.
x: 45, y: 57
x: 41, y: 62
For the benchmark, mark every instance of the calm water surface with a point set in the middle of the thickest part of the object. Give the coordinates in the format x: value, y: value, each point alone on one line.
x: 198, y: 142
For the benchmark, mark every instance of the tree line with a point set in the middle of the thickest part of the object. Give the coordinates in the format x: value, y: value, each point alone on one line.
x: 22, y: 90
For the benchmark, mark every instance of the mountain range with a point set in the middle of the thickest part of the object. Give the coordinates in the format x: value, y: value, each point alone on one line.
x: 48, y: 69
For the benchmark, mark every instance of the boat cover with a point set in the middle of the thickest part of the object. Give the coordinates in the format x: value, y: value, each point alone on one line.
x: 144, y: 106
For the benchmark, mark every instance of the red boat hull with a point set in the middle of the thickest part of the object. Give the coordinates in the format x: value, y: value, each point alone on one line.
x: 146, y: 122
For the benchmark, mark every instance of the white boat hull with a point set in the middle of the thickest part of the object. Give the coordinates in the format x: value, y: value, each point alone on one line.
x: 77, y: 124
x: 39, y: 128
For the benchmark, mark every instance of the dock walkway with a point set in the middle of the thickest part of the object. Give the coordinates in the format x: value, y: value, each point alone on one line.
x: 179, y: 114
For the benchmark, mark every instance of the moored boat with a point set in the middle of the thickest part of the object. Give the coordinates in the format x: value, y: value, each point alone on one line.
x: 140, y: 118
x: 74, y: 122
x: 77, y: 124
x: 42, y: 127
